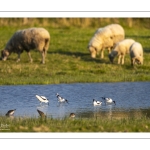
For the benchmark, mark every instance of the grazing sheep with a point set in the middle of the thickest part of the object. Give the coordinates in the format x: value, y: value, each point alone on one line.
x: 105, y: 38
x: 120, y: 50
x: 27, y: 39
x: 136, y: 53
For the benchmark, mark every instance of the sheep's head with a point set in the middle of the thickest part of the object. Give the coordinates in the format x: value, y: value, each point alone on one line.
x: 4, y: 54
x: 138, y: 60
x: 93, y: 51
x: 111, y: 57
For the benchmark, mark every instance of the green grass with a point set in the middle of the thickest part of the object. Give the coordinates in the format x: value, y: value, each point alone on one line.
x: 69, y: 61
x: 74, y: 125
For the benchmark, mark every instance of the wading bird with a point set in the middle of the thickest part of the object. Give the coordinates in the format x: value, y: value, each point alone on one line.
x: 42, y: 99
x: 61, y: 99
x: 108, y: 100
x: 95, y: 103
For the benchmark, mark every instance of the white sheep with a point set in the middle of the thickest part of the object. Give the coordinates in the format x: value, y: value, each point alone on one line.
x: 105, y: 38
x: 120, y: 50
x: 136, y: 53
x: 27, y: 39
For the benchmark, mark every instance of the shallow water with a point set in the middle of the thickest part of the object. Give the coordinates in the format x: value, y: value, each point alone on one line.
x: 132, y: 99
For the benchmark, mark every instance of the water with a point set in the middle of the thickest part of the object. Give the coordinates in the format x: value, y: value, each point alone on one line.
x: 132, y: 99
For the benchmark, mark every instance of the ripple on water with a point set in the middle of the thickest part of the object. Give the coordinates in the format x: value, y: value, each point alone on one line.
x: 132, y: 99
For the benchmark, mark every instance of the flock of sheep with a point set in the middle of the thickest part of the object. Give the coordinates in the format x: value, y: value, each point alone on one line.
x: 111, y: 37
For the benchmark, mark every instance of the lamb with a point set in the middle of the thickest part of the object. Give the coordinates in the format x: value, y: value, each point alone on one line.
x: 105, y: 38
x: 136, y: 53
x: 27, y: 39
x: 120, y: 50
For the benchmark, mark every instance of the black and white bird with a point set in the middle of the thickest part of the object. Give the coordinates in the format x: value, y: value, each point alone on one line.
x: 95, y: 103
x: 108, y: 100
x: 10, y: 112
x: 41, y: 113
x: 42, y: 99
x: 61, y: 99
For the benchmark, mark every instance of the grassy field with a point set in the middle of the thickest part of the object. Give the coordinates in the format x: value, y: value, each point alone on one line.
x: 69, y: 61
x: 74, y: 125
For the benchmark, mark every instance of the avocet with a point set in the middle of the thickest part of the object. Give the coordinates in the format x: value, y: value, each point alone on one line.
x: 96, y: 102
x: 42, y: 99
x: 108, y: 100
x: 61, y: 99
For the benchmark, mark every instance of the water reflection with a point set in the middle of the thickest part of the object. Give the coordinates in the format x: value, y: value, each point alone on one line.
x: 117, y: 114
x: 132, y: 100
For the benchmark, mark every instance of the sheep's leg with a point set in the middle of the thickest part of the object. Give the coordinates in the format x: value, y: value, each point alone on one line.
x: 30, y: 58
x: 132, y: 61
x: 43, y: 57
x: 45, y: 53
x: 119, y: 58
x: 109, y: 50
x: 122, y: 59
x: 18, y: 59
x: 102, y: 53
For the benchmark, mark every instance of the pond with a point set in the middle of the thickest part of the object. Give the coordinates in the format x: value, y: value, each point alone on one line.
x: 132, y: 99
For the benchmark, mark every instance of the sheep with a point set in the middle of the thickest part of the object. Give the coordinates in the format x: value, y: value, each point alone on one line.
x: 136, y: 53
x: 120, y: 50
x: 105, y: 38
x: 98, y: 44
x: 27, y: 39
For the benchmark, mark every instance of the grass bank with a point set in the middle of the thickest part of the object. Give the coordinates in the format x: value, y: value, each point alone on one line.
x: 69, y: 61
x: 74, y: 125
